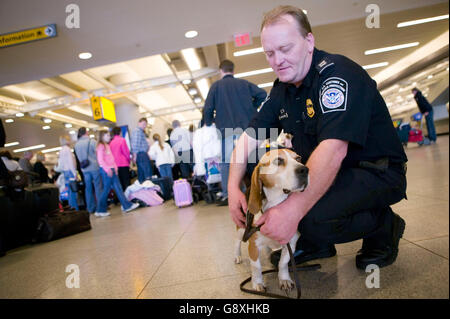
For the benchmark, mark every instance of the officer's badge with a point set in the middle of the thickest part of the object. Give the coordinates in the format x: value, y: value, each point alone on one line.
x: 333, y: 95
x: 309, y: 108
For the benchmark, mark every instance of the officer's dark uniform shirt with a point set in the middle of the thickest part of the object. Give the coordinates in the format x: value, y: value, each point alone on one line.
x: 336, y: 100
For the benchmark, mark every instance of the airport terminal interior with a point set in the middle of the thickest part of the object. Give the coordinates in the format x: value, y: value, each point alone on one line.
x: 102, y: 64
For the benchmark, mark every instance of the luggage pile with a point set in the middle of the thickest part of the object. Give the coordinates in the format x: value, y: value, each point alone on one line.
x: 32, y: 213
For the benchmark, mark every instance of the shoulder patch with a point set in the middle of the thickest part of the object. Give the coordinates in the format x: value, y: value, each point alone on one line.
x: 333, y: 95
x: 323, y: 64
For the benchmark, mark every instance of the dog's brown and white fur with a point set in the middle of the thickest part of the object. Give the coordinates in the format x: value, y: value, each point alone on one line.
x: 278, y: 173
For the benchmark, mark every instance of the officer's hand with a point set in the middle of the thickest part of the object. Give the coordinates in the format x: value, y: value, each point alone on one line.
x: 280, y: 222
x: 237, y: 204
x: 426, y: 113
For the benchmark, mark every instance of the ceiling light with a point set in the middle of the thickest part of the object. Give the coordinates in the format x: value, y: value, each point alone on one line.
x: 9, y: 121
x: 85, y: 55
x: 446, y: 69
x: 20, y: 114
x: 191, y: 58
x: 430, y: 76
x: 72, y: 132
x: 255, y: 72
x: 191, y: 34
x: 52, y: 149
x: 46, y: 127
x: 29, y: 148
x: 92, y: 136
x: 67, y: 125
x: 264, y: 85
x: 11, y: 144
x: 192, y: 91
x: 376, y: 65
x: 392, y: 48
x: 47, y: 121
x: 414, y: 22
x: 197, y: 100
x: 187, y: 81
x: 249, y: 51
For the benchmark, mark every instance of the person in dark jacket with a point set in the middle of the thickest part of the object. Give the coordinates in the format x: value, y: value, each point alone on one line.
x: 427, y: 110
x: 235, y: 102
x: 3, y: 169
x: 40, y: 169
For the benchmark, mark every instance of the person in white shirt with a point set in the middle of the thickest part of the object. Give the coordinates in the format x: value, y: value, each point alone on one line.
x: 180, y: 138
x: 9, y: 162
x: 67, y: 165
x: 163, y: 155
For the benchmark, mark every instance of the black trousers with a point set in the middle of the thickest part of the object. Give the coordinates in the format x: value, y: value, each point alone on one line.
x: 355, y: 206
x: 124, y: 177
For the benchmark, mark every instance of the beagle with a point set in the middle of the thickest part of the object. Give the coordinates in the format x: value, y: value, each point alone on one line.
x: 278, y: 173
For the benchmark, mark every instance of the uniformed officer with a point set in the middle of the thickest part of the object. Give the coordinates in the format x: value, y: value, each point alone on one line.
x: 343, y: 131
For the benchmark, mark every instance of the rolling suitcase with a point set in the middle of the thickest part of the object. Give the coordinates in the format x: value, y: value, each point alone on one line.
x: 148, y: 196
x: 62, y: 224
x: 182, y: 193
x: 45, y: 198
x: 17, y: 219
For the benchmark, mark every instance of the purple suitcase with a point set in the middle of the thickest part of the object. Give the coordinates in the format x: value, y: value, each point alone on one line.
x: 182, y: 193
x: 148, y: 196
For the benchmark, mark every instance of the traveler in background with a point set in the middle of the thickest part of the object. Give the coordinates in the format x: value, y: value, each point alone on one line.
x: 180, y: 139
x: 40, y: 169
x: 67, y: 166
x: 10, y: 164
x: 24, y: 162
x: 121, y: 154
x: 108, y: 170
x: 163, y: 155
x: 169, y: 131
x: 235, y: 102
x: 3, y: 169
x: 85, y: 148
x: 427, y: 110
x: 140, y: 147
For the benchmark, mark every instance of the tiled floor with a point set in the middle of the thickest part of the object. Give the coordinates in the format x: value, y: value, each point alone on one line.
x: 166, y: 252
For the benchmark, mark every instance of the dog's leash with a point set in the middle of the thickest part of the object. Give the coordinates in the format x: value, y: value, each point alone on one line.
x: 249, y: 231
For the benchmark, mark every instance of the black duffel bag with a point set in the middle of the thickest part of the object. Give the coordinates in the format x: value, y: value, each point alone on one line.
x: 62, y: 224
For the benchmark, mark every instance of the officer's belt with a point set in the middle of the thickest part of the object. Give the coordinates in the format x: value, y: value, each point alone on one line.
x: 383, y: 164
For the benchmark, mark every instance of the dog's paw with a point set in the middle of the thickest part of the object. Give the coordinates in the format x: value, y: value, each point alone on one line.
x: 286, y: 285
x: 259, y: 287
x: 237, y: 259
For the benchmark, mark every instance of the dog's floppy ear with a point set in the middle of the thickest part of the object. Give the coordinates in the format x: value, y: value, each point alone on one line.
x: 255, y: 198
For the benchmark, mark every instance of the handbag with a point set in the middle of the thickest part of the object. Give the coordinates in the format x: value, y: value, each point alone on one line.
x: 85, y: 163
x: 18, y: 179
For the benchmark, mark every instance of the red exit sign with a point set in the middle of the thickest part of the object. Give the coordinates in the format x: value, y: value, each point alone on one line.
x: 242, y: 39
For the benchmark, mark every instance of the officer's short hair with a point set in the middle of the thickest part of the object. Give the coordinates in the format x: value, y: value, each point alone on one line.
x: 227, y: 66
x: 143, y: 119
x: 275, y: 15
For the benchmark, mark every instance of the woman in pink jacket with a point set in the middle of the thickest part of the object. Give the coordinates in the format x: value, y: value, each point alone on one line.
x: 121, y: 153
x: 108, y: 170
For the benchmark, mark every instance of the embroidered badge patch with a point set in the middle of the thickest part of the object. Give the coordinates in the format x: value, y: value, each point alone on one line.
x: 333, y: 95
x: 309, y: 108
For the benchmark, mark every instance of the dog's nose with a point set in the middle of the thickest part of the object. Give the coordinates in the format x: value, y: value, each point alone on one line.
x: 301, y: 171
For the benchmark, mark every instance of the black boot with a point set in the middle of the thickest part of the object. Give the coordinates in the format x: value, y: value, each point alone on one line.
x: 305, y: 251
x: 381, y: 249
